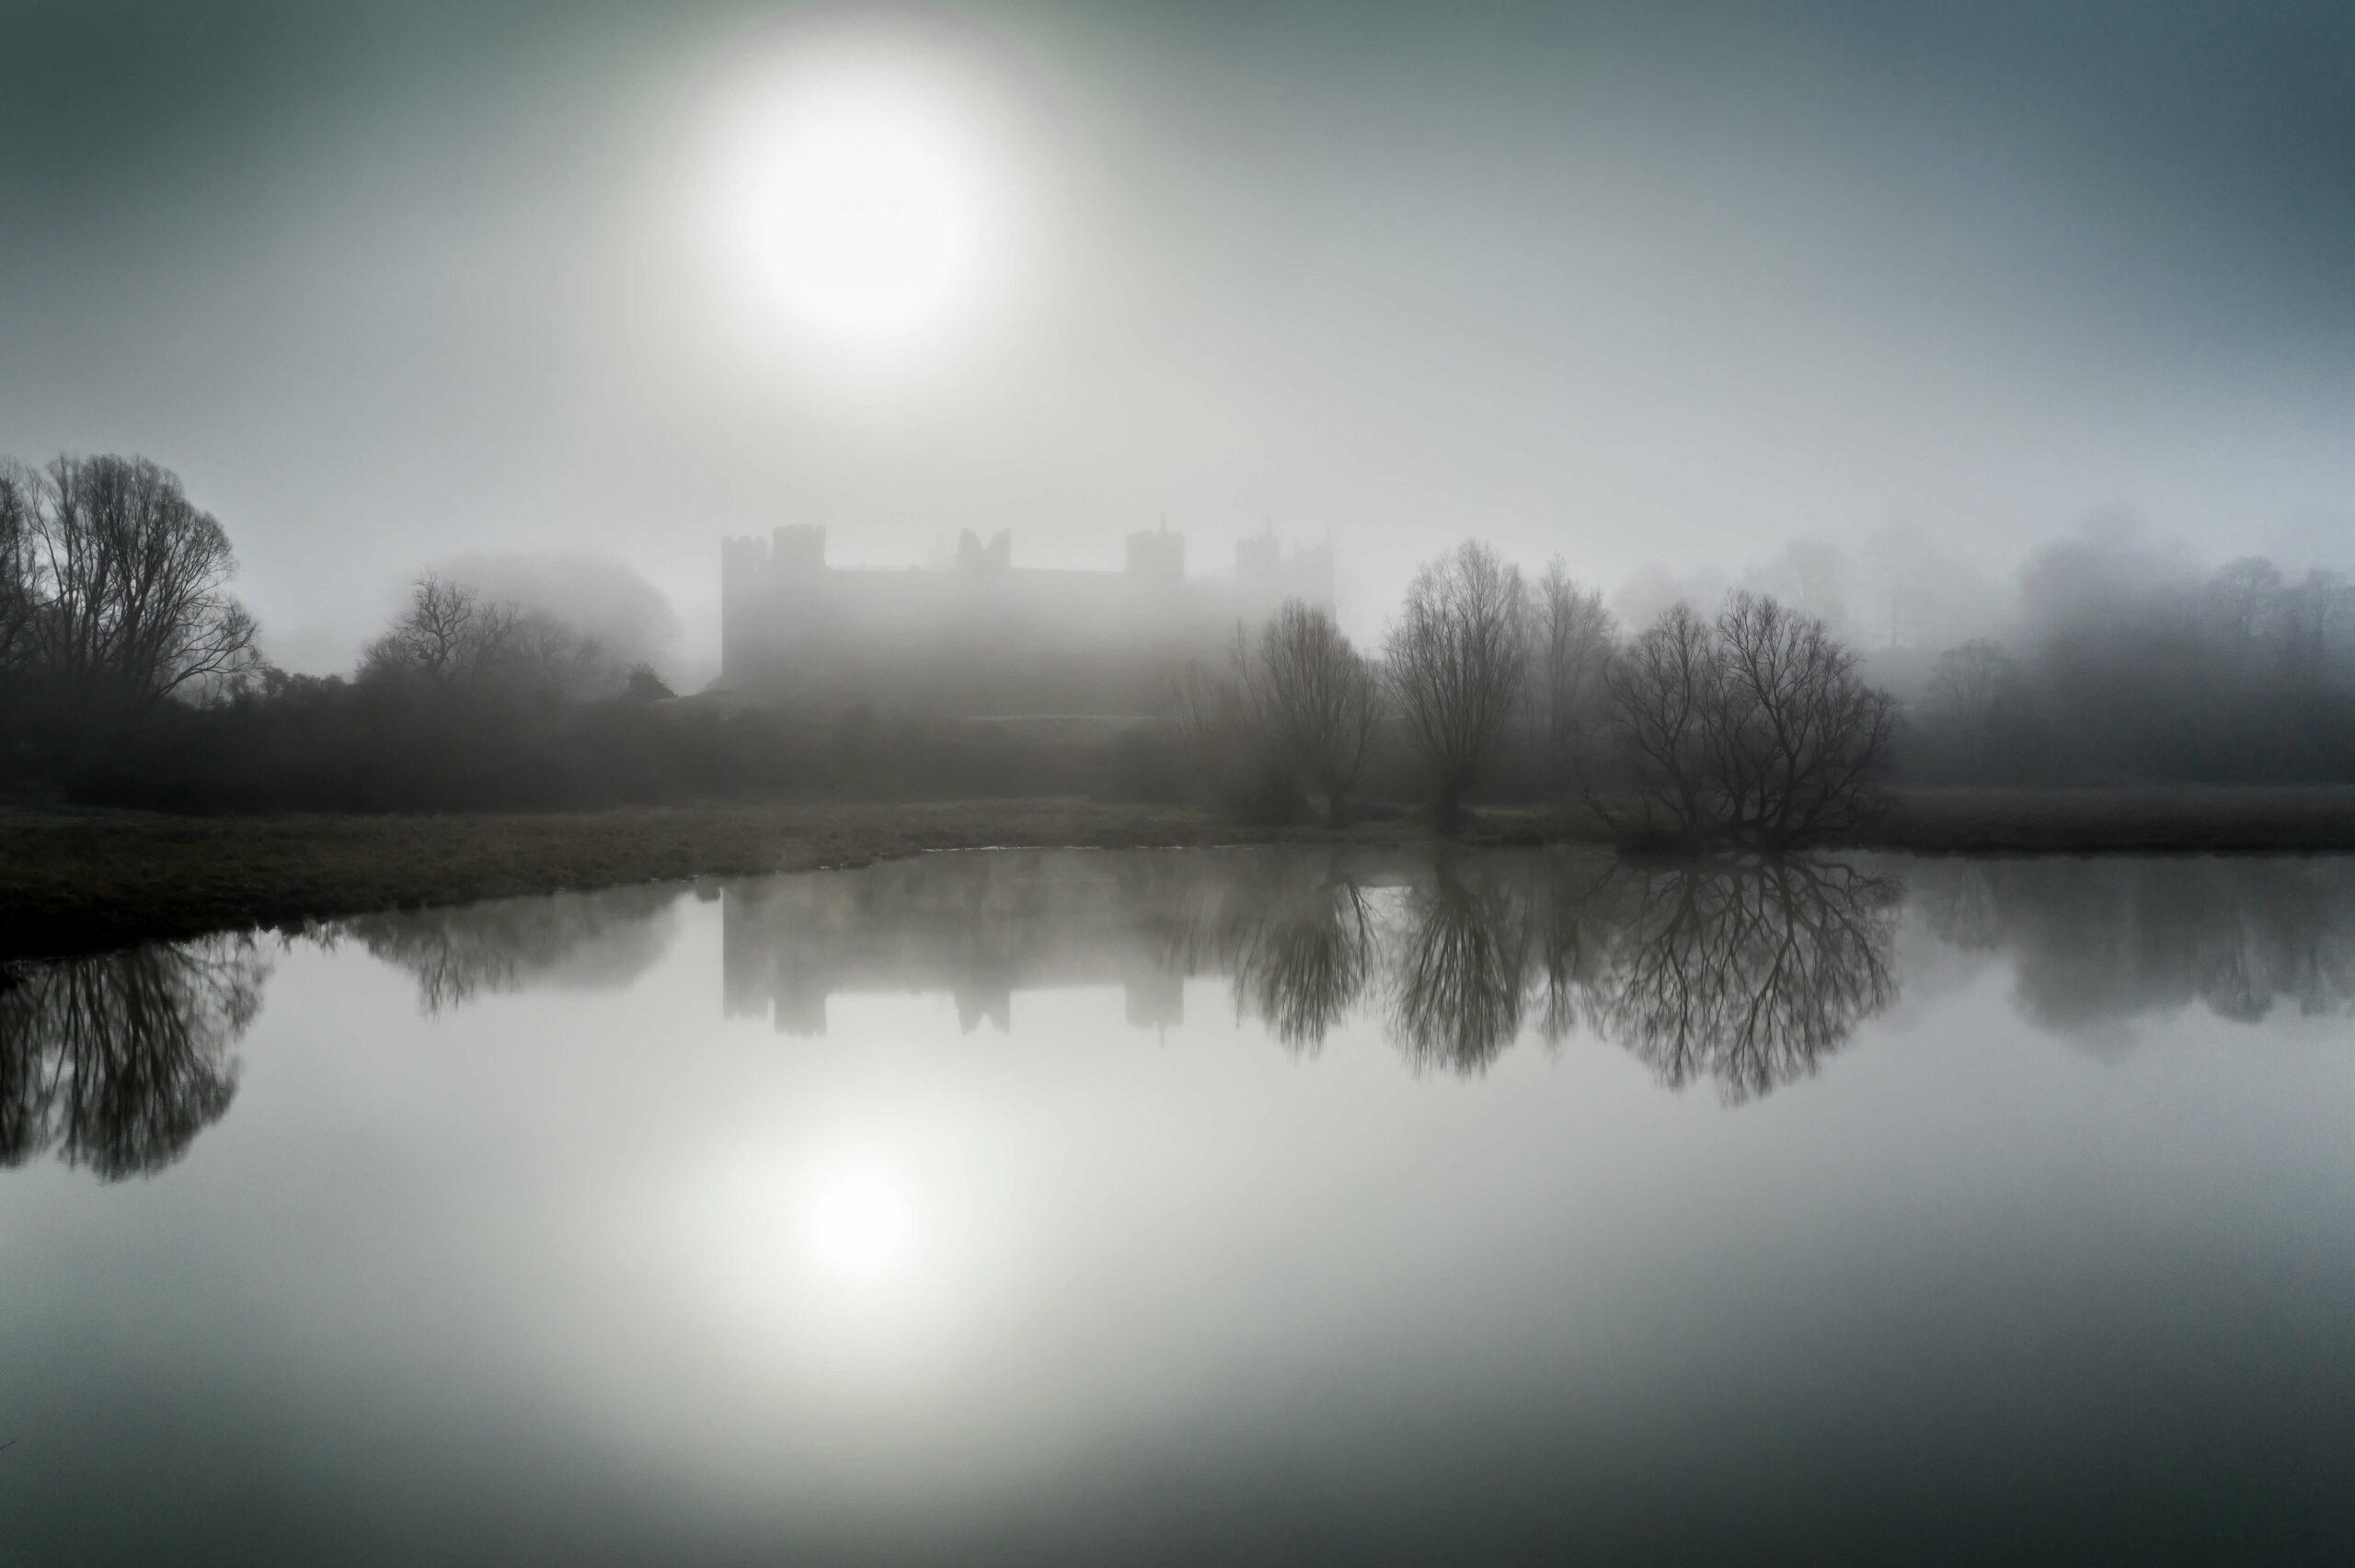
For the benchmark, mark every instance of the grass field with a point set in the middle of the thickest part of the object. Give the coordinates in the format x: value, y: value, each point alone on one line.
x: 85, y: 881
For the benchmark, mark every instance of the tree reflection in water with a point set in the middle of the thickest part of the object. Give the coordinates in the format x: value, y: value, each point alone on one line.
x: 586, y: 940
x: 1747, y: 974
x: 1459, y: 965
x: 2097, y: 942
x: 117, y: 1062
x: 1744, y: 973
x: 1295, y: 931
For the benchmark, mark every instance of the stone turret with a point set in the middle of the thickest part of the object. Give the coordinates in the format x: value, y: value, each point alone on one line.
x: 1158, y: 554
x: 985, y: 560
x: 1261, y: 557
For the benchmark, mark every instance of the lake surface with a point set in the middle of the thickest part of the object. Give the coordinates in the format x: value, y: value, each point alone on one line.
x: 1188, y: 1207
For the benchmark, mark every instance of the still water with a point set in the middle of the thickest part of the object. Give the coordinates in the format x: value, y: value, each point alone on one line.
x: 1195, y: 1207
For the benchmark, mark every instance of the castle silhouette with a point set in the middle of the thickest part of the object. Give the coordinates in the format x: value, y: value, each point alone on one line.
x: 983, y: 637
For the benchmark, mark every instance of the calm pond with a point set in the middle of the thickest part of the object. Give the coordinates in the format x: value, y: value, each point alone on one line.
x: 1192, y: 1206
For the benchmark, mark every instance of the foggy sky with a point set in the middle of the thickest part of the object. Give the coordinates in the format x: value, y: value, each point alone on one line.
x: 387, y: 284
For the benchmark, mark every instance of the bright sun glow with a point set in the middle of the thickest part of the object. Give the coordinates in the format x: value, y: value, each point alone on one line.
x: 860, y: 1224
x: 855, y: 202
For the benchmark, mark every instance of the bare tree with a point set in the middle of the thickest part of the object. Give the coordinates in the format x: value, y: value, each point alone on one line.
x: 1665, y: 694
x: 548, y: 655
x: 1458, y: 656
x: 1965, y: 687
x: 450, y: 637
x: 1805, y: 741
x: 1757, y: 728
x: 115, y: 597
x: 2243, y: 596
x: 2313, y: 616
x: 1571, y: 647
x: 1316, y: 700
x: 20, y: 496
x: 1223, y: 721
x: 446, y: 635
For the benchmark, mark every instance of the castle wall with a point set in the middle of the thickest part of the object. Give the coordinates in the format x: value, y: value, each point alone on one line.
x: 986, y: 637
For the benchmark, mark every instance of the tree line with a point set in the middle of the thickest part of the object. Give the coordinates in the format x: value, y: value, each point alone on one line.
x: 2123, y: 665
x: 1752, y: 727
x: 130, y: 674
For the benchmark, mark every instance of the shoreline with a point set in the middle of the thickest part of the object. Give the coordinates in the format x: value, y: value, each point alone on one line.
x: 76, y: 881
x: 2175, y: 820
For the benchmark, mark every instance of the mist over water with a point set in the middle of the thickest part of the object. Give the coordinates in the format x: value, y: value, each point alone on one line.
x: 1022, y: 1204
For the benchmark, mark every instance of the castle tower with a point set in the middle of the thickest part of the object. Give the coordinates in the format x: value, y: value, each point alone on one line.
x: 798, y: 549
x: 1158, y: 554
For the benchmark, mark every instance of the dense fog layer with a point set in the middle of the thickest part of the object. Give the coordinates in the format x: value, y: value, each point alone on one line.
x: 1771, y: 708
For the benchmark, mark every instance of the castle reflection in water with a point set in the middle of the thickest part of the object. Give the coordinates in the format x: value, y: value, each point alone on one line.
x: 1742, y: 975
x: 979, y: 926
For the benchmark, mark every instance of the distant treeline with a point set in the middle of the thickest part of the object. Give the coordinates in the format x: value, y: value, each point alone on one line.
x: 1745, y: 719
x: 2127, y: 668
x: 1750, y: 727
x: 130, y: 676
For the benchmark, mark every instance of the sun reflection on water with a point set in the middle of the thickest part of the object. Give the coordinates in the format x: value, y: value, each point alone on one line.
x: 860, y: 1222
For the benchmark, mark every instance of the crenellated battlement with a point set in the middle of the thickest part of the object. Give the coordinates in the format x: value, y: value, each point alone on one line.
x: 797, y: 549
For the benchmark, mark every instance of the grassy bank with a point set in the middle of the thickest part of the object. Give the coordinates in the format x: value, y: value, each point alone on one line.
x: 73, y: 882
x: 85, y: 881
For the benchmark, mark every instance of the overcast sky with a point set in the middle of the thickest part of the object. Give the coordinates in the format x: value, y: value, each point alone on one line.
x: 1628, y: 282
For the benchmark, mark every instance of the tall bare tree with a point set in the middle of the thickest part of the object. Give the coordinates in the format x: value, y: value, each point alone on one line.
x: 1458, y: 656
x: 1665, y: 692
x: 116, y: 597
x: 1317, y: 701
x: 1965, y: 686
x: 2242, y: 598
x: 1757, y: 729
x: 1805, y: 738
x: 447, y: 635
x: 20, y: 496
x: 1224, y: 719
x: 451, y: 636
x: 2314, y: 615
x: 1571, y: 645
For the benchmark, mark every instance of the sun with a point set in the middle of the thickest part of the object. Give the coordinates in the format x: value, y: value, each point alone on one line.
x: 855, y: 203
